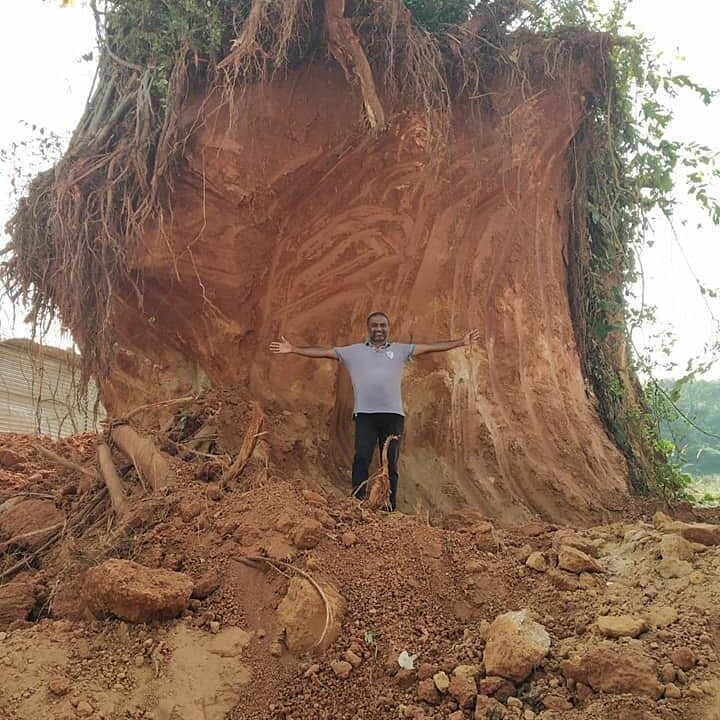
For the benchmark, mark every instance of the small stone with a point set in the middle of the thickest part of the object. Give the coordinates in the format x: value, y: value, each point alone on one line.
x: 514, y: 702
x: 276, y: 648
x: 214, y: 492
x: 59, y: 686
x: 676, y: 547
x: 205, y: 586
x: 617, y: 626
x: 84, y: 708
x: 563, y: 580
x: 487, y: 708
x: 681, y: 677
x: 139, y: 660
x: 427, y: 692
x: 405, y: 678
x: 516, y: 645
x: 672, y: 691
x: 314, y: 498
x: 662, y: 616
x: 353, y: 658
x: 673, y: 568
x: 3, y: 635
x: 426, y: 670
x: 529, y: 715
x: 307, y: 534
x: 214, y: 627
x: 684, y: 658
x: 313, y: 670
x: 349, y: 538
x: 537, y: 561
x: 341, y: 668
x: 552, y: 701
x: 464, y: 689
x: 668, y: 674
x: 576, y: 561
x: 442, y: 681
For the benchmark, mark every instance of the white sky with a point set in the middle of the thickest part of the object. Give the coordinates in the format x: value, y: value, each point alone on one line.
x: 45, y: 83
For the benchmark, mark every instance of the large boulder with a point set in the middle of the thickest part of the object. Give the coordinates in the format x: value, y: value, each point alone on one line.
x: 136, y: 593
x: 308, y: 624
x: 516, y: 645
x: 613, y: 668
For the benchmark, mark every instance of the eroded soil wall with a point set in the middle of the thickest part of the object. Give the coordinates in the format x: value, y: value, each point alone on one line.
x: 288, y: 218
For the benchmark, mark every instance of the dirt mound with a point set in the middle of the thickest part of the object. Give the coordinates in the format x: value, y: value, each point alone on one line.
x: 411, y: 607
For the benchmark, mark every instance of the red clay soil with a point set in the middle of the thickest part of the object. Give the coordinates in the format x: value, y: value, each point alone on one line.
x: 430, y: 589
x: 288, y: 218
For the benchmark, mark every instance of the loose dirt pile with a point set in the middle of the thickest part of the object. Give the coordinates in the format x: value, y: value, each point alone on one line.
x: 289, y: 603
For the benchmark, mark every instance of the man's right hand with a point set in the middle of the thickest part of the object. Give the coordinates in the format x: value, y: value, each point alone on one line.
x: 281, y: 346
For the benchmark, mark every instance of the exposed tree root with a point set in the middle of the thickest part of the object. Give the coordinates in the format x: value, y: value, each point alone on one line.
x: 149, y: 462
x: 248, y: 444
x: 112, y: 480
x: 347, y: 50
x: 65, y: 462
x: 378, y: 484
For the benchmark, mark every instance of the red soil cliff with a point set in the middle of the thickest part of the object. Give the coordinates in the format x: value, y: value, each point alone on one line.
x: 287, y: 217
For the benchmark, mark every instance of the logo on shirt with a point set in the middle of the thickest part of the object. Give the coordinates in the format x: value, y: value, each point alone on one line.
x: 390, y: 354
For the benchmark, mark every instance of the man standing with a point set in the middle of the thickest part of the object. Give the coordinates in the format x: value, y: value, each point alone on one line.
x: 375, y: 367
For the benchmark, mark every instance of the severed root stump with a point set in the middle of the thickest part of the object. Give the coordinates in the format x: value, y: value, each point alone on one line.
x: 150, y: 463
x: 112, y: 480
x: 378, y: 484
x: 248, y: 445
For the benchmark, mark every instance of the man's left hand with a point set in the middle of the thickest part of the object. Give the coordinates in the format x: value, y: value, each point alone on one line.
x: 471, y: 337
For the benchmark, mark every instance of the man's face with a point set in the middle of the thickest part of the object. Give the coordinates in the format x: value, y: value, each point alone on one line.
x: 378, y: 328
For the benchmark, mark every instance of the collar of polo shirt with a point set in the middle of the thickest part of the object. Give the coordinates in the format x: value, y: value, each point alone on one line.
x: 377, y: 349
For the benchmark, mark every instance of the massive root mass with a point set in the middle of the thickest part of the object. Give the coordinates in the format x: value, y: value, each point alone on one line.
x: 261, y: 204
x: 289, y: 219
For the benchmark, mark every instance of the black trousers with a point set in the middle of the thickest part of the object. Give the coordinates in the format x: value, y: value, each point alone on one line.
x: 372, y: 429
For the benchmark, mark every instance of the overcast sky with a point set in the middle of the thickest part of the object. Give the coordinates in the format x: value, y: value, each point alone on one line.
x: 45, y: 83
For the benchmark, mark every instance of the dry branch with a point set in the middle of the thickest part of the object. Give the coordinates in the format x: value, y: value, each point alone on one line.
x: 149, y: 462
x: 248, y: 444
x: 64, y: 462
x: 112, y: 480
x: 17, y: 539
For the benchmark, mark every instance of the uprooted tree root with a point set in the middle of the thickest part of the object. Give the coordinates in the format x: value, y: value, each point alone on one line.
x: 76, y: 233
x: 107, y: 495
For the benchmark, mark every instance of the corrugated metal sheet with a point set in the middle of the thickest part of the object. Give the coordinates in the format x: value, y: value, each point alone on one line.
x: 38, y: 392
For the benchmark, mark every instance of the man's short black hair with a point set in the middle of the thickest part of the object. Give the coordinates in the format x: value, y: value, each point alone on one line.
x: 373, y: 314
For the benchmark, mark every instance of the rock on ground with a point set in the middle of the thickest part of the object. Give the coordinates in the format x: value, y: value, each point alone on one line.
x: 576, y: 561
x: 302, y: 613
x: 136, y: 593
x: 516, y: 645
x: 615, y: 669
x: 16, y: 602
x: 617, y: 626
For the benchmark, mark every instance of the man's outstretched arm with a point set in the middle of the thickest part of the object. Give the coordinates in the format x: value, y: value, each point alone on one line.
x: 468, y: 339
x: 283, y: 346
